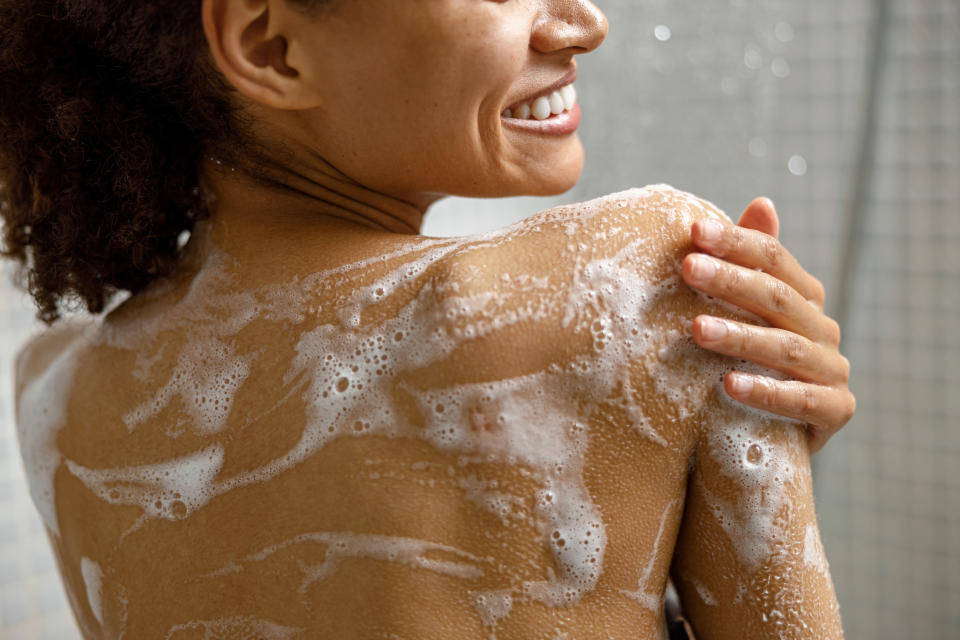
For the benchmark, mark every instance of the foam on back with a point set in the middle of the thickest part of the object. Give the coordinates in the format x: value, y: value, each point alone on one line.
x: 346, y: 370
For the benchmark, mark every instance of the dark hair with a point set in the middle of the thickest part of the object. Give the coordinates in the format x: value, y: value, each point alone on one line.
x: 106, y: 107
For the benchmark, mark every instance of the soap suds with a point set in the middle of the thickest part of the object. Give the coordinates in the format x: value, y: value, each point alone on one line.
x: 749, y: 454
x: 493, y: 606
x: 238, y: 627
x: 205, y: 379
x: 704, y: 593
x: 650, y: 595
x: 41, y: 414
x: 813, y: 553
x: 172, y: 489
x: 412, y: 552
x: 347, y: 372
x: 93, y: 582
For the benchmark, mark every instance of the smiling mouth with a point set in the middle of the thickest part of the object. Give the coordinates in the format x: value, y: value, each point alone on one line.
x: 545, y: 107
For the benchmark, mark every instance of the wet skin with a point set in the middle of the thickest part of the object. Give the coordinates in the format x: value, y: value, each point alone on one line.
x: 365, y: 160
x: 669, y: 492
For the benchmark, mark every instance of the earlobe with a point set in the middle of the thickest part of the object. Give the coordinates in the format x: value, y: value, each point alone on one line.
x: 249, y: 48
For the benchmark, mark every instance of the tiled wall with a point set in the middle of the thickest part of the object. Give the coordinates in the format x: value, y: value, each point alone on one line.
x: 731, y: 99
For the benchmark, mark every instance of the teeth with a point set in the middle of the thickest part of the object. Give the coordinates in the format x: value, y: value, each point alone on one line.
x: 545, y: 106
x: 540, y: 108
x: 556, y: 103
x: 569, y: 96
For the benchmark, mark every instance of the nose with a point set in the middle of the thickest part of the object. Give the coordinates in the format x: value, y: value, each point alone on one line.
x: 563, y: 24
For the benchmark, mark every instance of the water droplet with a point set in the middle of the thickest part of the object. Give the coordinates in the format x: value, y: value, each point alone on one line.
x: 780, y: 68
x: 754, y: 454
x: 662, y: 32
x: 797, y: 165
x: 784, y: 31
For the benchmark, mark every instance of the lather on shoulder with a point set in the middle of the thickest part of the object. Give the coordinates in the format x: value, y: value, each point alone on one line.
x: 286, y: 413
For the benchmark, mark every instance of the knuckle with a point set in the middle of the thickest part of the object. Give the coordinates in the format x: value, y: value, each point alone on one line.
x: 772, y: 395
x: 850, y: 409
x: 772, y: 252
x: 737, y: 238
x: 845, y: 370
x: 740, y: 338
x: 732, y: 280
x: 779, y: 295
x: 793, y: 350
x: 744, y: 340
x: 819, y: 292
x: 808, y: 402
x: 833, y: 332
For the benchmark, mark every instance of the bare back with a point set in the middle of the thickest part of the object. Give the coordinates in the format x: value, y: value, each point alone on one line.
x: 506, y: 435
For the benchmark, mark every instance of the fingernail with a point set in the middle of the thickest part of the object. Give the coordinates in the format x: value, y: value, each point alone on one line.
x: 704, y: 268
x: 742, y: 385
x: 710, y: 230
x: 713, y: 329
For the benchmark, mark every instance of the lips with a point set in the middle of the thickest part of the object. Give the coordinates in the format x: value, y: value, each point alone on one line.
x: 561, y: 125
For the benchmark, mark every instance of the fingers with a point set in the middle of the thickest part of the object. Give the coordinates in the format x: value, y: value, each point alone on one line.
x: 784, y: 351
x: 761, y: 215
x: 762, y: 294
x: 825, y: 409
x: 757, y: 250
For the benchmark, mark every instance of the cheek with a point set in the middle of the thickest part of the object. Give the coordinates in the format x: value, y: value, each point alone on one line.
x: 469, y: 63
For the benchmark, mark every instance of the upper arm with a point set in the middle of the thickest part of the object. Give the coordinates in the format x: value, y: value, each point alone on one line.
x: 748, y: 561
x: 748, y: 541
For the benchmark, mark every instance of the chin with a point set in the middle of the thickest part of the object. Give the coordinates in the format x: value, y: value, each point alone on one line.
x: 528, y: 179
x: 556, y: 180
x: 558, y: 185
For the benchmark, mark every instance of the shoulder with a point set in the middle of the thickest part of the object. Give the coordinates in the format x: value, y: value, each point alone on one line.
x: 642, y: 230
x: 38, y: 355
x: 594, y: 288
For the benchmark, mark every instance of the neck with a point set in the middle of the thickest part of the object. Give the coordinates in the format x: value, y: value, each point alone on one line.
x: 315, y: 196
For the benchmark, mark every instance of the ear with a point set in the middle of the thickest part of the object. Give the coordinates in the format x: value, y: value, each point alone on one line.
x: 249, y: 42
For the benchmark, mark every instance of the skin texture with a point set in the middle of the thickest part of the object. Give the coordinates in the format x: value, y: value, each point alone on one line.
x: 667, y: 492
x: 363, y: 160
x: 425, y: 122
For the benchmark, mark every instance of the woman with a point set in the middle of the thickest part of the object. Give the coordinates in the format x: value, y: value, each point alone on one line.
x: 313, y: 421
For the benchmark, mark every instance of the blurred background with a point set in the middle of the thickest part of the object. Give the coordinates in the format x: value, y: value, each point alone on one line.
x: 847, y: 114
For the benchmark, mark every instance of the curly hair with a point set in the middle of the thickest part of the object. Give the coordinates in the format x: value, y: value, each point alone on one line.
x: 106, y: 109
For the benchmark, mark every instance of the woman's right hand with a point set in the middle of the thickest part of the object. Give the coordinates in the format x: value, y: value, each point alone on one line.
x: 748, y: 267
